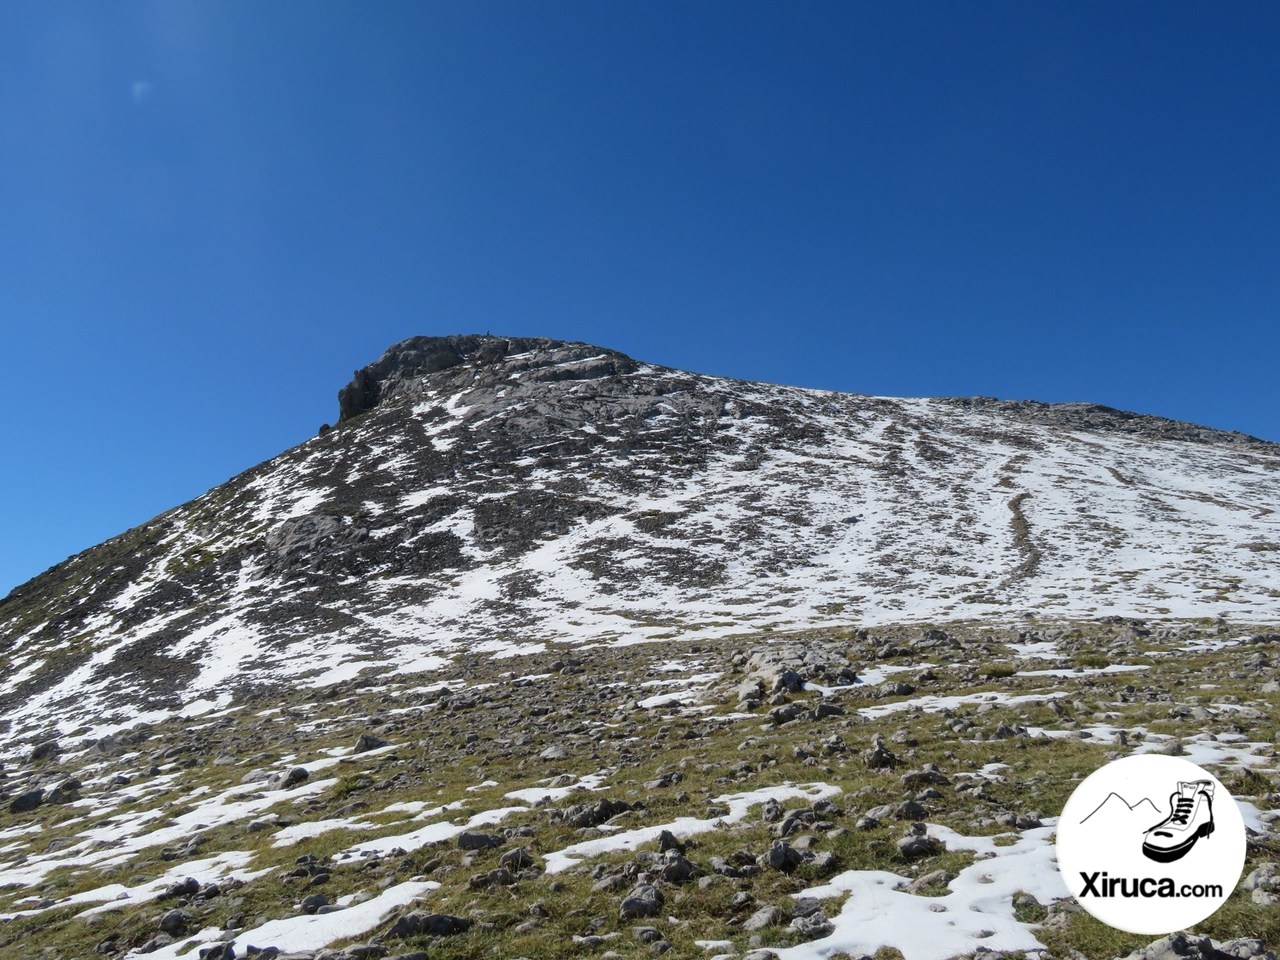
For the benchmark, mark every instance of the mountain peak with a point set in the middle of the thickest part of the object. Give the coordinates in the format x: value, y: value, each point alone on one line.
x: 492, y: 496
x: 405, y: 367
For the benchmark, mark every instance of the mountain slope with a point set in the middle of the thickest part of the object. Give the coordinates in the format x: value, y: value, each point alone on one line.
x: 486, y: 496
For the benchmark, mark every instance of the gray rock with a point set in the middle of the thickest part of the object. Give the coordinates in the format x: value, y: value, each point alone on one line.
x: 677, y: 869
x: 813, y: 927
x: 419, y: 923
x: 183, y: 888
x: 43, y: 751
x: 787, y: 713
x: 369, y: 742
x: 65, y: 792
x: 26, y: 802
x: 288, y: 778
x: 593, y: 814
x: 823, y: 862
x: 782, y: 856
x: 879, y: 757
x: 501, y: 877
x: 936, y: 878
x: 609, y: 884
x: 301, y: 543
x: 518, y: 858
x: 644, y: 901
x: 916, y: 847
x: 764, y: 917
x: 1263, y: 882
x: 479, y: 841
x: 174, y: 922
x: 789, y: 681
x: 108, y: 746
x: 1246, y: 948
x: 1184, y: 946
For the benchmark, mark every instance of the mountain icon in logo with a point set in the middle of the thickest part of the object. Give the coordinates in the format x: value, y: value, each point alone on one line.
x: 1116, y: 810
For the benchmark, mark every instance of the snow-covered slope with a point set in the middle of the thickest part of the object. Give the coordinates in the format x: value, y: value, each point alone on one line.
x: 489, y: 497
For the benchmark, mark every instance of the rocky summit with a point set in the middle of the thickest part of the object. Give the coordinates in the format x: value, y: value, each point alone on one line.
x: 543, y: 651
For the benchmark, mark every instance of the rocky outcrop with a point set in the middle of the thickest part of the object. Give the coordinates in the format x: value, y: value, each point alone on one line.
x: 401, y: 372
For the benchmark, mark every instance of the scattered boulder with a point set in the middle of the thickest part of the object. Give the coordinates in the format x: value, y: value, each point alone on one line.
x: 782, y: 856
x: 932, y: 879
x: 65, y: 792
x: 183, y: 888
x: 518, y: 858
x: 879, y: 757
x: 1184, y: 946
x: 419, y: 923
x: 928, y: 775
x: 26, y: 802
x: 786, y: 713
x: 668, y: 841
x: 677, y: 869
x: 644, y: 901
x: 813, y: 927
x: 1264, y: 884
x: 288, y: 778
x: 43, y: 751
x: 501, y: 877
x: 592, y: 814
x: 369, y: 742
x: 788, y: 681
x: 108, y: 746
x: 175, y: 922
x: 918, y: 844
x: 762, y: 918
x: 479, y: 841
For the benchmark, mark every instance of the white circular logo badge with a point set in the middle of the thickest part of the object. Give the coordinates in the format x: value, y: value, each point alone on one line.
x: 1151, y: 844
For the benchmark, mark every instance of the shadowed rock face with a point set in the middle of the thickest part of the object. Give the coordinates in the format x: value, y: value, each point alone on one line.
x: 473, y: 360
x: 487, y: 496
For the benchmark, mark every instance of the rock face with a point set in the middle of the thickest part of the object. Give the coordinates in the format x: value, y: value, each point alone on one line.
x: 406, y: 369
x: 476, y: 489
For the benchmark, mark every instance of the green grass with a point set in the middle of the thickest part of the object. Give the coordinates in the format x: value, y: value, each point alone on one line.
x: 435, y: 764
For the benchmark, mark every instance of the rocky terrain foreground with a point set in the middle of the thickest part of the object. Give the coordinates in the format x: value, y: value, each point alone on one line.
x: 544, y: 652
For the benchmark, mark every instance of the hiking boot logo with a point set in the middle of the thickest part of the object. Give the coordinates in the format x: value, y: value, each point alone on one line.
x: 1190, y: 818
x: 1127, y: 856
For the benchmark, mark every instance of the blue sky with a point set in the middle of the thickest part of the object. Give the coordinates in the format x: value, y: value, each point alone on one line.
x: 214, y: 212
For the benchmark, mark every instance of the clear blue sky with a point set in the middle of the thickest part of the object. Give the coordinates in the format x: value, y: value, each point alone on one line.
x: 211, y: 213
